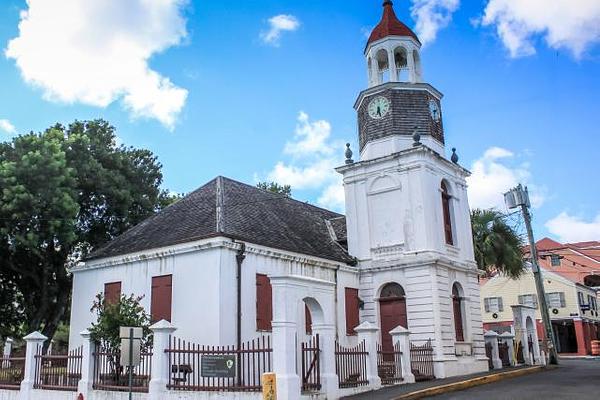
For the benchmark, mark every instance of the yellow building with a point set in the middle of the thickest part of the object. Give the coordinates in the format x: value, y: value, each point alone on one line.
x: 573, y: 308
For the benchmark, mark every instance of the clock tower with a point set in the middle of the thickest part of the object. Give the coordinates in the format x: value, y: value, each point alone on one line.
x: 407, y: 212
x: 397, y: 104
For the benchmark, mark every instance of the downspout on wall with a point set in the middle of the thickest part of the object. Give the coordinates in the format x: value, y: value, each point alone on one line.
x: 239, y: 258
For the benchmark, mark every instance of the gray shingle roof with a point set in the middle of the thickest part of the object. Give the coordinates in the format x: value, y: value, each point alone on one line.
x: 224, y: 207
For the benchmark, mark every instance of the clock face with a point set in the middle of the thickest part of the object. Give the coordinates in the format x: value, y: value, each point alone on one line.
x: 379, y: 107
x: 434, y: 110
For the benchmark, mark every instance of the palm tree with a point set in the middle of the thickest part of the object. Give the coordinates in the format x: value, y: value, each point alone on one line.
x: 497, y: 246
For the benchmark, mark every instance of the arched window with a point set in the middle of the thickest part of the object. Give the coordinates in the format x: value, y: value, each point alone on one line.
x: 392, y: 290
x: 417, y: 65
x: 401, y: 61
x: 383, y: 66
x: 447, y: 214
x: 458, y: 318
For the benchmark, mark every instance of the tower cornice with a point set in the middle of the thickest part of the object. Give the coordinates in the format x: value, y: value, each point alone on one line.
x: 398, y: 86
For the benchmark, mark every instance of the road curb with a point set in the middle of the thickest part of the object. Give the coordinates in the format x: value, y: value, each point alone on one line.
x: 469, y: 383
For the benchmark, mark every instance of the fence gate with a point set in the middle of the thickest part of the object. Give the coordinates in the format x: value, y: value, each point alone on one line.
x: 503, y: 353
x: 389, y: 365
x: 311, y: 370
x: 421, y: 361
x: 488, y: 353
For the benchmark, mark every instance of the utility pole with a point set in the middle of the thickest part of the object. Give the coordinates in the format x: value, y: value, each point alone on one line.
x: 519, y: 197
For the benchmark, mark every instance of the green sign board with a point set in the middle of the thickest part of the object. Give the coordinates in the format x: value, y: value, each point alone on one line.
x: 218, y: 366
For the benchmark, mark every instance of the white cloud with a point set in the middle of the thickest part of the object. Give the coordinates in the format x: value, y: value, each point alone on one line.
x: 493, y: 175
x: 570, y: 228
x: 568, y: 24
x: 7, y: 127
x: 97, y: 51
x: 313, y: 157
x: 431, y: 16
x: 277, y: 25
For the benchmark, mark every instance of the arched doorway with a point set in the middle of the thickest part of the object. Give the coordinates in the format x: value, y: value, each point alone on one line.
x: 392, y: 311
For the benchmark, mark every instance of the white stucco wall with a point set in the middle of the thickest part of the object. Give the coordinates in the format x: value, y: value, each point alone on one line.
x: 204, y: 287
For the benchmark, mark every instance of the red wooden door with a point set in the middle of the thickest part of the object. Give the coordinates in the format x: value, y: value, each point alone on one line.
x: 393, y: 313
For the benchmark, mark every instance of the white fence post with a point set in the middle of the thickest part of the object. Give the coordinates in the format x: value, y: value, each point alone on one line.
x: 6, y: 352
x: 401, y: 335
x: 84, y: 386
x: 160, y: 360
x: 329, y: 378
x: 34, y: 341
x: 368, y: 332
x: 491, y: 337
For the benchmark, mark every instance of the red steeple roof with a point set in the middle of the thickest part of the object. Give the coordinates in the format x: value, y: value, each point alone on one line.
x: 390, y: 25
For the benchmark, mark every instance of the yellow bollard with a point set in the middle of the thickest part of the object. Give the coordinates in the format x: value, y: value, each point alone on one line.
x: 269, y: 386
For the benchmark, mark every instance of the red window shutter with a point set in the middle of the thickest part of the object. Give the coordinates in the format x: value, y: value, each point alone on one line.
x: 162, y: 295
x: 112, y: 292
x: 307, y: 320
x: 264, y: 308
x: 352, y: 310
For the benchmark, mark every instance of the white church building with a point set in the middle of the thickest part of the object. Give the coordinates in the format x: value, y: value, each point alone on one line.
x: 230, y: 262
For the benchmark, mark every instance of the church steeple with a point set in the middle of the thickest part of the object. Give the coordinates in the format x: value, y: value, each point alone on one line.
x: 392, y: 51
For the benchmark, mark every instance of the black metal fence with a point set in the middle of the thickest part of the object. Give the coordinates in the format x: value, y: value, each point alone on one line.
x: 12, y: 370
x: 248, y: 363
x: 351, y: 365
x: 389, y: 365
x: 58, y: 371
x: 110, y: 375
x: 421, y: 361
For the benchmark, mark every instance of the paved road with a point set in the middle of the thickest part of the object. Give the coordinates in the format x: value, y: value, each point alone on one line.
x: 574, y: 379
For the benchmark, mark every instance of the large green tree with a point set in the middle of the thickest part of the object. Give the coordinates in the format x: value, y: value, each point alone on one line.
x: 275, y: 187
x: 65, y: 191
x: 497, y: 245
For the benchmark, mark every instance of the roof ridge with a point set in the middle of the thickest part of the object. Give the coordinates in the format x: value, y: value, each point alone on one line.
x: 281, y: 196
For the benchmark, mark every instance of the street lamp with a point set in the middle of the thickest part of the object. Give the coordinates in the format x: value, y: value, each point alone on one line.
x: 519, y: 197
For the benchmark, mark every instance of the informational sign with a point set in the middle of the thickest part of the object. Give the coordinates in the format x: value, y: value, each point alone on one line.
x: 131, y: 344
x: 218, y: 366
x: 124, y: 332
x: 269, y: 385
x: 585, y: 307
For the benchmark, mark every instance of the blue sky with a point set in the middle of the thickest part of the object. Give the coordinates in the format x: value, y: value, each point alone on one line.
x: 264, y: 89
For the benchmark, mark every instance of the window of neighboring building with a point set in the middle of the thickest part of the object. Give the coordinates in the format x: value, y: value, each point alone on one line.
x: 592, y: 302
x: 447, y: 214
x: 580, y: 298
x: 555, y: 260
x: 493, y: 304
x: 112, y: 292
x: 352, y: 310
x: 528, y: 300
x: 264, y: 303
x: 556, y: 300
x: 160, y: 302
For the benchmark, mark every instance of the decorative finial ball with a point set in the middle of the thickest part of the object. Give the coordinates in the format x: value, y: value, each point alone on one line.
x: 416, y: 136
x: 348, y: 154
x: 454, y: 157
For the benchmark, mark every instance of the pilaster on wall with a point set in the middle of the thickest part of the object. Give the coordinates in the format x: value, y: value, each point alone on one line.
x: 366, y: 292
x: 474, y: 319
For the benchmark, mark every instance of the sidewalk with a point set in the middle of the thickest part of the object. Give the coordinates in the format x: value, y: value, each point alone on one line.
x: 438, y: 386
